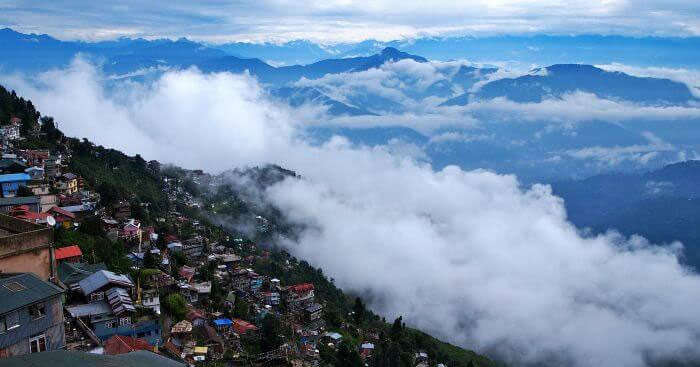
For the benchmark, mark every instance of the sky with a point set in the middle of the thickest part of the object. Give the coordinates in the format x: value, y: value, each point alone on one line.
x: 473, y: 257
x: 333, y: 21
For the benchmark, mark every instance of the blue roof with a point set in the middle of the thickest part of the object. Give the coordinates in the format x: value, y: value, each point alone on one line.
x: 14, y: 177
x: 223, y: 322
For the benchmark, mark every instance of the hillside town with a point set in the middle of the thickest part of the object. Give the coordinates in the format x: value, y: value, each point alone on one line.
x: 88, y: 264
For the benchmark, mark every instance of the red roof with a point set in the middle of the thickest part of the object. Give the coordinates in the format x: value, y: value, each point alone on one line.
x: 304, y: 287
x: 242, y: 327
x: 67, y: 252
x: 119, y: 344
x: 60, y: 211
x: 23, y: 212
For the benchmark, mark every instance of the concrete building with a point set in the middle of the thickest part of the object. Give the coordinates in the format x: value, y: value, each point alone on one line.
x: 26, y: 248
x: 31, y: 315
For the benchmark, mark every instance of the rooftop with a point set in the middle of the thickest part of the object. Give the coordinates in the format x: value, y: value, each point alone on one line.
x: 67, y: 252
x: 21, y: 290
x: 102, y: 278
x: 62, y: 358
x: 14, y: 177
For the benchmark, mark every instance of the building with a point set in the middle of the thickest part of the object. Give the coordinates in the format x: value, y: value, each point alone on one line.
x: 121, y: 210
x: 62, y: 217
x: 313, y: 312
x: 26, y: 247
x: 12, y: 131
x: 70, y: 274
x: 71, y: 254
x: 31, y: 315
x: 67, y: 184
x: 32, y: 202
x: 11, y: 182
x: 242, y: 327
x: 120, y: 344
x: 52, y: 167
x: 62, y: 358
x: 151, y: 299
x: 300, y: 295
x: 35, y: 173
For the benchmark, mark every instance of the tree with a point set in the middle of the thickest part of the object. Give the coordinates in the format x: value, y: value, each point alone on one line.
x: 176, y: 306
x: 270, y: 333
x: 397, y: 329
x: 348, y: 356
x: 359, y: 309
x: 241, y: 309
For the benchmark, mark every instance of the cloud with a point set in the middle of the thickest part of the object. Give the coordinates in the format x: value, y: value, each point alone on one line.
x: 613, y: 156
x: 691, y: 77
x: 471, y: 256
x: 334, y: 21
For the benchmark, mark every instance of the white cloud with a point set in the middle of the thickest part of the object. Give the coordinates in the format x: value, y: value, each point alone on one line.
x: 472, y: 257
x: 691, y: 77
x: 334, y: 21
x: 613, y: 156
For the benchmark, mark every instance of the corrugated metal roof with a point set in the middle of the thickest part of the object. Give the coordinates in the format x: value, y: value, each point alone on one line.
x: 31, y: 289
x: 14, y: 177
x: 71, y: 273
x: 66, y: 252
x: 19, y: 200
x: 102, y: 278
x: 89, y: 309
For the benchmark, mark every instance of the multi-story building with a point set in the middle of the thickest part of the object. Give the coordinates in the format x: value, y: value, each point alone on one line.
x: 26, y: 247
x: 31, y: 315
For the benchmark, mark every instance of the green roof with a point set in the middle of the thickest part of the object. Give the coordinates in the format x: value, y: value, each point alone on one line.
x: 62, y: 358
x: 19, y: 290
x: 71, y: 273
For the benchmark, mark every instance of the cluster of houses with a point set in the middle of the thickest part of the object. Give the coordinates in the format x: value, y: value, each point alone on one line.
x: 59, y: 298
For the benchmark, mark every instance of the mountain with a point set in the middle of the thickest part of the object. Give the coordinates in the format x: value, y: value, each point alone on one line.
x: 556, y: 80
x: 661, y: 205
x: 299, y: 96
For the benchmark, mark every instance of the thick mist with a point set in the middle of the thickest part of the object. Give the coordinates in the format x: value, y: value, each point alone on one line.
x: 472, y: 257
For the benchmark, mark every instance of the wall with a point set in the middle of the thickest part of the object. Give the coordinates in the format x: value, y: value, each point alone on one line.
x: 27, y: 248
x: 16, y: 341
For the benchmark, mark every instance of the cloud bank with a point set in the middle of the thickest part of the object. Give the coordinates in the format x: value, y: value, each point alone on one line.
x: 340, y: 20
x: 470, y: 256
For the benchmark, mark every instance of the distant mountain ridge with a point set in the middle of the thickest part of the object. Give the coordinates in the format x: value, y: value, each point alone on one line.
x: 662, y: 205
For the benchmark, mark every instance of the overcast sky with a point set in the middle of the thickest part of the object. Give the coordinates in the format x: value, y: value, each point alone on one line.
x: 332, y: 21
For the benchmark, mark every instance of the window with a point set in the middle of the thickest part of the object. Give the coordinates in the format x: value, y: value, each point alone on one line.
x: 37, y: 311
x: 12, y: 320
x: 111, y: 324
x: 97, y: 296
x: 38, y: 344
x: 124, y: 321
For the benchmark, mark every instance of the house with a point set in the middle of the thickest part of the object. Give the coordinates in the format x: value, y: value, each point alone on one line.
x: 222, y: 324
x: 242, y: 327
x: 67, y: 184
x: 151, y: 299
x: 182, y: 327
x: 366, y: 350
x: 195, y: 292
x: 70, y: 274
x: 70, y: 254
x: 109, y: 325
x: 12, y: 165
x: 120, y: 344
x: 96, y: 287
x: 35, y: 173
x: 12, y: 131
x: 131, y: 231
x: 62, y: 217
x: 175, y: 247
x: 193, y: 248
x: 196, y: 317
x: 11, y: 182
x: 52, y: 166
x: 313, y: 312
x: 26, y: 247
x: 35, y: 157
x: 300, y: 295
x: 121, y: 210
x: 31, y: 315
x: 25, y: 213
x: 187, y: 273
x: 271, y: 298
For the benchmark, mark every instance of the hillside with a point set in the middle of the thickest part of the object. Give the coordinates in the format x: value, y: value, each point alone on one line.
x: 176, y: 196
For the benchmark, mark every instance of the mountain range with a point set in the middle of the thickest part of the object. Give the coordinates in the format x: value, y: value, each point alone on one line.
x: 451, y: 111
